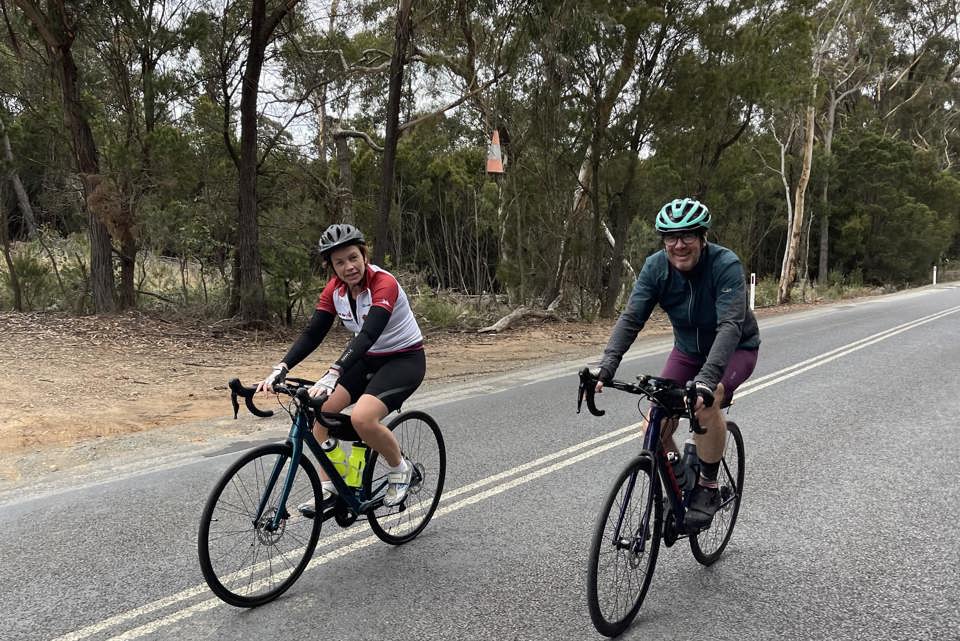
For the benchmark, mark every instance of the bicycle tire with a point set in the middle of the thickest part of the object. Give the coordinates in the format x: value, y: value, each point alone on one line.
x: 422, y: 444
x: 708, y: 545
x: 229, y: 514
x: 635, y: 493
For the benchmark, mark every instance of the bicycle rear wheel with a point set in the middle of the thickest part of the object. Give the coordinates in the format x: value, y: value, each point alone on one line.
x: 422, y: 444
x: 623, y: 554
x: 708, y: 545
x: 243, y: 561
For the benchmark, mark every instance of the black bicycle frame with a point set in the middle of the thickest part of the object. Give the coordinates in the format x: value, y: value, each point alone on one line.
x: 652, y: 445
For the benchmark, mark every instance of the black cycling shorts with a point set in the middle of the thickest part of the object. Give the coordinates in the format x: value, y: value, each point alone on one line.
x: 391, y: 378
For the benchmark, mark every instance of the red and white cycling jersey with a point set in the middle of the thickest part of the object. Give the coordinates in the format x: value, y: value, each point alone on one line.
x: 401, y: 333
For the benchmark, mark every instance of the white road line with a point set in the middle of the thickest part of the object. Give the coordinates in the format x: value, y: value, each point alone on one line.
x: 189, y: 593
x: 823, y: 359
x: 858, y: 344
x: 153, y: 626
x: 602, y: 443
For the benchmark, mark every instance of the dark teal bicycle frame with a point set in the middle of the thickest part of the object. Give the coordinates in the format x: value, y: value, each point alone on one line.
x: 300, y: 431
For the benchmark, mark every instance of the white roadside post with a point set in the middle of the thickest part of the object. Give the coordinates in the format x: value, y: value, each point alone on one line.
x: 753, y: 288
x: 934, y: 274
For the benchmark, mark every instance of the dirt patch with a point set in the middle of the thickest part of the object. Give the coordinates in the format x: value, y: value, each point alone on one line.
x: 70, y: 382
x: 67, y: 380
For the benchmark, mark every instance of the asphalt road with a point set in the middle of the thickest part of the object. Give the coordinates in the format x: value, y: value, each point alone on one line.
x: 848, y: 528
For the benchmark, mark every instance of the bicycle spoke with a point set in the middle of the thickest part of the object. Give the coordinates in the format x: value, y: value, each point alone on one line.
x: 422, y: 445
x: 621, y: 562
x: 708, y: 544
x: 248, y: 563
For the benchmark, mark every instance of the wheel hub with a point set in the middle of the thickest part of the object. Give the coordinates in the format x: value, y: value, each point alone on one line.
x: 416, y: 481
x: 265, y: 534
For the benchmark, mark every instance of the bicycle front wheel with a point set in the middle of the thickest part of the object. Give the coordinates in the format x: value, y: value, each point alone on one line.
x: 708, y: 545
x: 624, y: 550
x: 422, y: 445
x: 245, y: 560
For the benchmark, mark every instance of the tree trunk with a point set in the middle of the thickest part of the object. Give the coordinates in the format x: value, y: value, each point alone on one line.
x: 581, y: 200
x: 789, y: 273
x: 823, y: 264
x: 58, y: 34
x: 621, y: 212
x: 11, y: 269
x: 345, y: 184
x: 23, y: 200
x: 128, y: 261
x: 585, y: 178
x: 249, y: 297
x: 88, y: 164
x: 397, y: 61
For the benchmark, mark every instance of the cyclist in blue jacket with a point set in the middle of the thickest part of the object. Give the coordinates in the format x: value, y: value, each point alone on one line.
x: 701, y: 287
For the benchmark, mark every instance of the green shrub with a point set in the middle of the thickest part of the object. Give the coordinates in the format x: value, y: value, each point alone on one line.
x: 38, y: 286
x: 766, y: 292
x: 437, y: 311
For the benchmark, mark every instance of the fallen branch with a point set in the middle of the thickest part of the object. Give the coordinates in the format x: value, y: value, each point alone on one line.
x: 516, y: 315
x: 158, y: 296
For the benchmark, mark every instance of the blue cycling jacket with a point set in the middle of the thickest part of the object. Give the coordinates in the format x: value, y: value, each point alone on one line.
x: 707, y: 308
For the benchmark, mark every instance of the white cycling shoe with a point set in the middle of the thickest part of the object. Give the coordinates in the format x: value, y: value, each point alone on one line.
x: 398, y: 482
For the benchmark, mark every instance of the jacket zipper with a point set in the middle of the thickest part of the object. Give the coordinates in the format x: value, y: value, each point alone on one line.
x: 696, y: 329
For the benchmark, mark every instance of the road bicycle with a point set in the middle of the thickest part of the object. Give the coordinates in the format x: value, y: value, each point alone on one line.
x: 647, y: 503
x: 254, y: 543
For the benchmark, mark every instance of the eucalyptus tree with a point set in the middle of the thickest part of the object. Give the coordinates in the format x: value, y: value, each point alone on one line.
x: 139, y: 49
x: 846, y: 71
x: 477, y: 49
x: 917, y: 91
x: 899, y: 213
x: 241, y: 39
x: 706, y: 71
x: 601, y: 54
x: 9, y: 95
x: 23, y: 199
x: 828, y: 21
x: 58, y: 24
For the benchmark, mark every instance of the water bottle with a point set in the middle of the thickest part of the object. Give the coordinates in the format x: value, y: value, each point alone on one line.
x: 679, y: 469
x: 331, y: 447
x: 691, y: 464
x: 358, y: 456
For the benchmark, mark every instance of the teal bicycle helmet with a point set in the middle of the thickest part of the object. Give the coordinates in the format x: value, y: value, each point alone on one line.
x: 683, y: 214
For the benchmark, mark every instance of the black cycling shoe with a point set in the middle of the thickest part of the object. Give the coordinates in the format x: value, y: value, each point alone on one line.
x: 309, y: 509
x: 704, y: 503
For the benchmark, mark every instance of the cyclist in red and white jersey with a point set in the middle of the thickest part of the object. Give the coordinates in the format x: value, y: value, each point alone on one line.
x: 382, y: 365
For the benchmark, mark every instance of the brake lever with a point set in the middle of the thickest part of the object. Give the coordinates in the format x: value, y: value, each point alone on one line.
x: 588, y: 389
x: 690, y: 399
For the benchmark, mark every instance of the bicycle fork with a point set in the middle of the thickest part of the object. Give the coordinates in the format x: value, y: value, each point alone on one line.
x: 281, y: 512
x: 636, y: 543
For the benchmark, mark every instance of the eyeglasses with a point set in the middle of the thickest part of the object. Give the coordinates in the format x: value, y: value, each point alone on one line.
x: 686, y: 238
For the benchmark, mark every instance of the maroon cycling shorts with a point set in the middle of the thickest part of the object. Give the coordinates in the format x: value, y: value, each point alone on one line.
x: 682, y: 367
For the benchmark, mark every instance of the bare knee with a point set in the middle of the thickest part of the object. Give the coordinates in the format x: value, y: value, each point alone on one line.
x: 364, y: 424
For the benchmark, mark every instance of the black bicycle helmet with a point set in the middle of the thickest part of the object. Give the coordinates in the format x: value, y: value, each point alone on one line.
x: 339, y: 235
